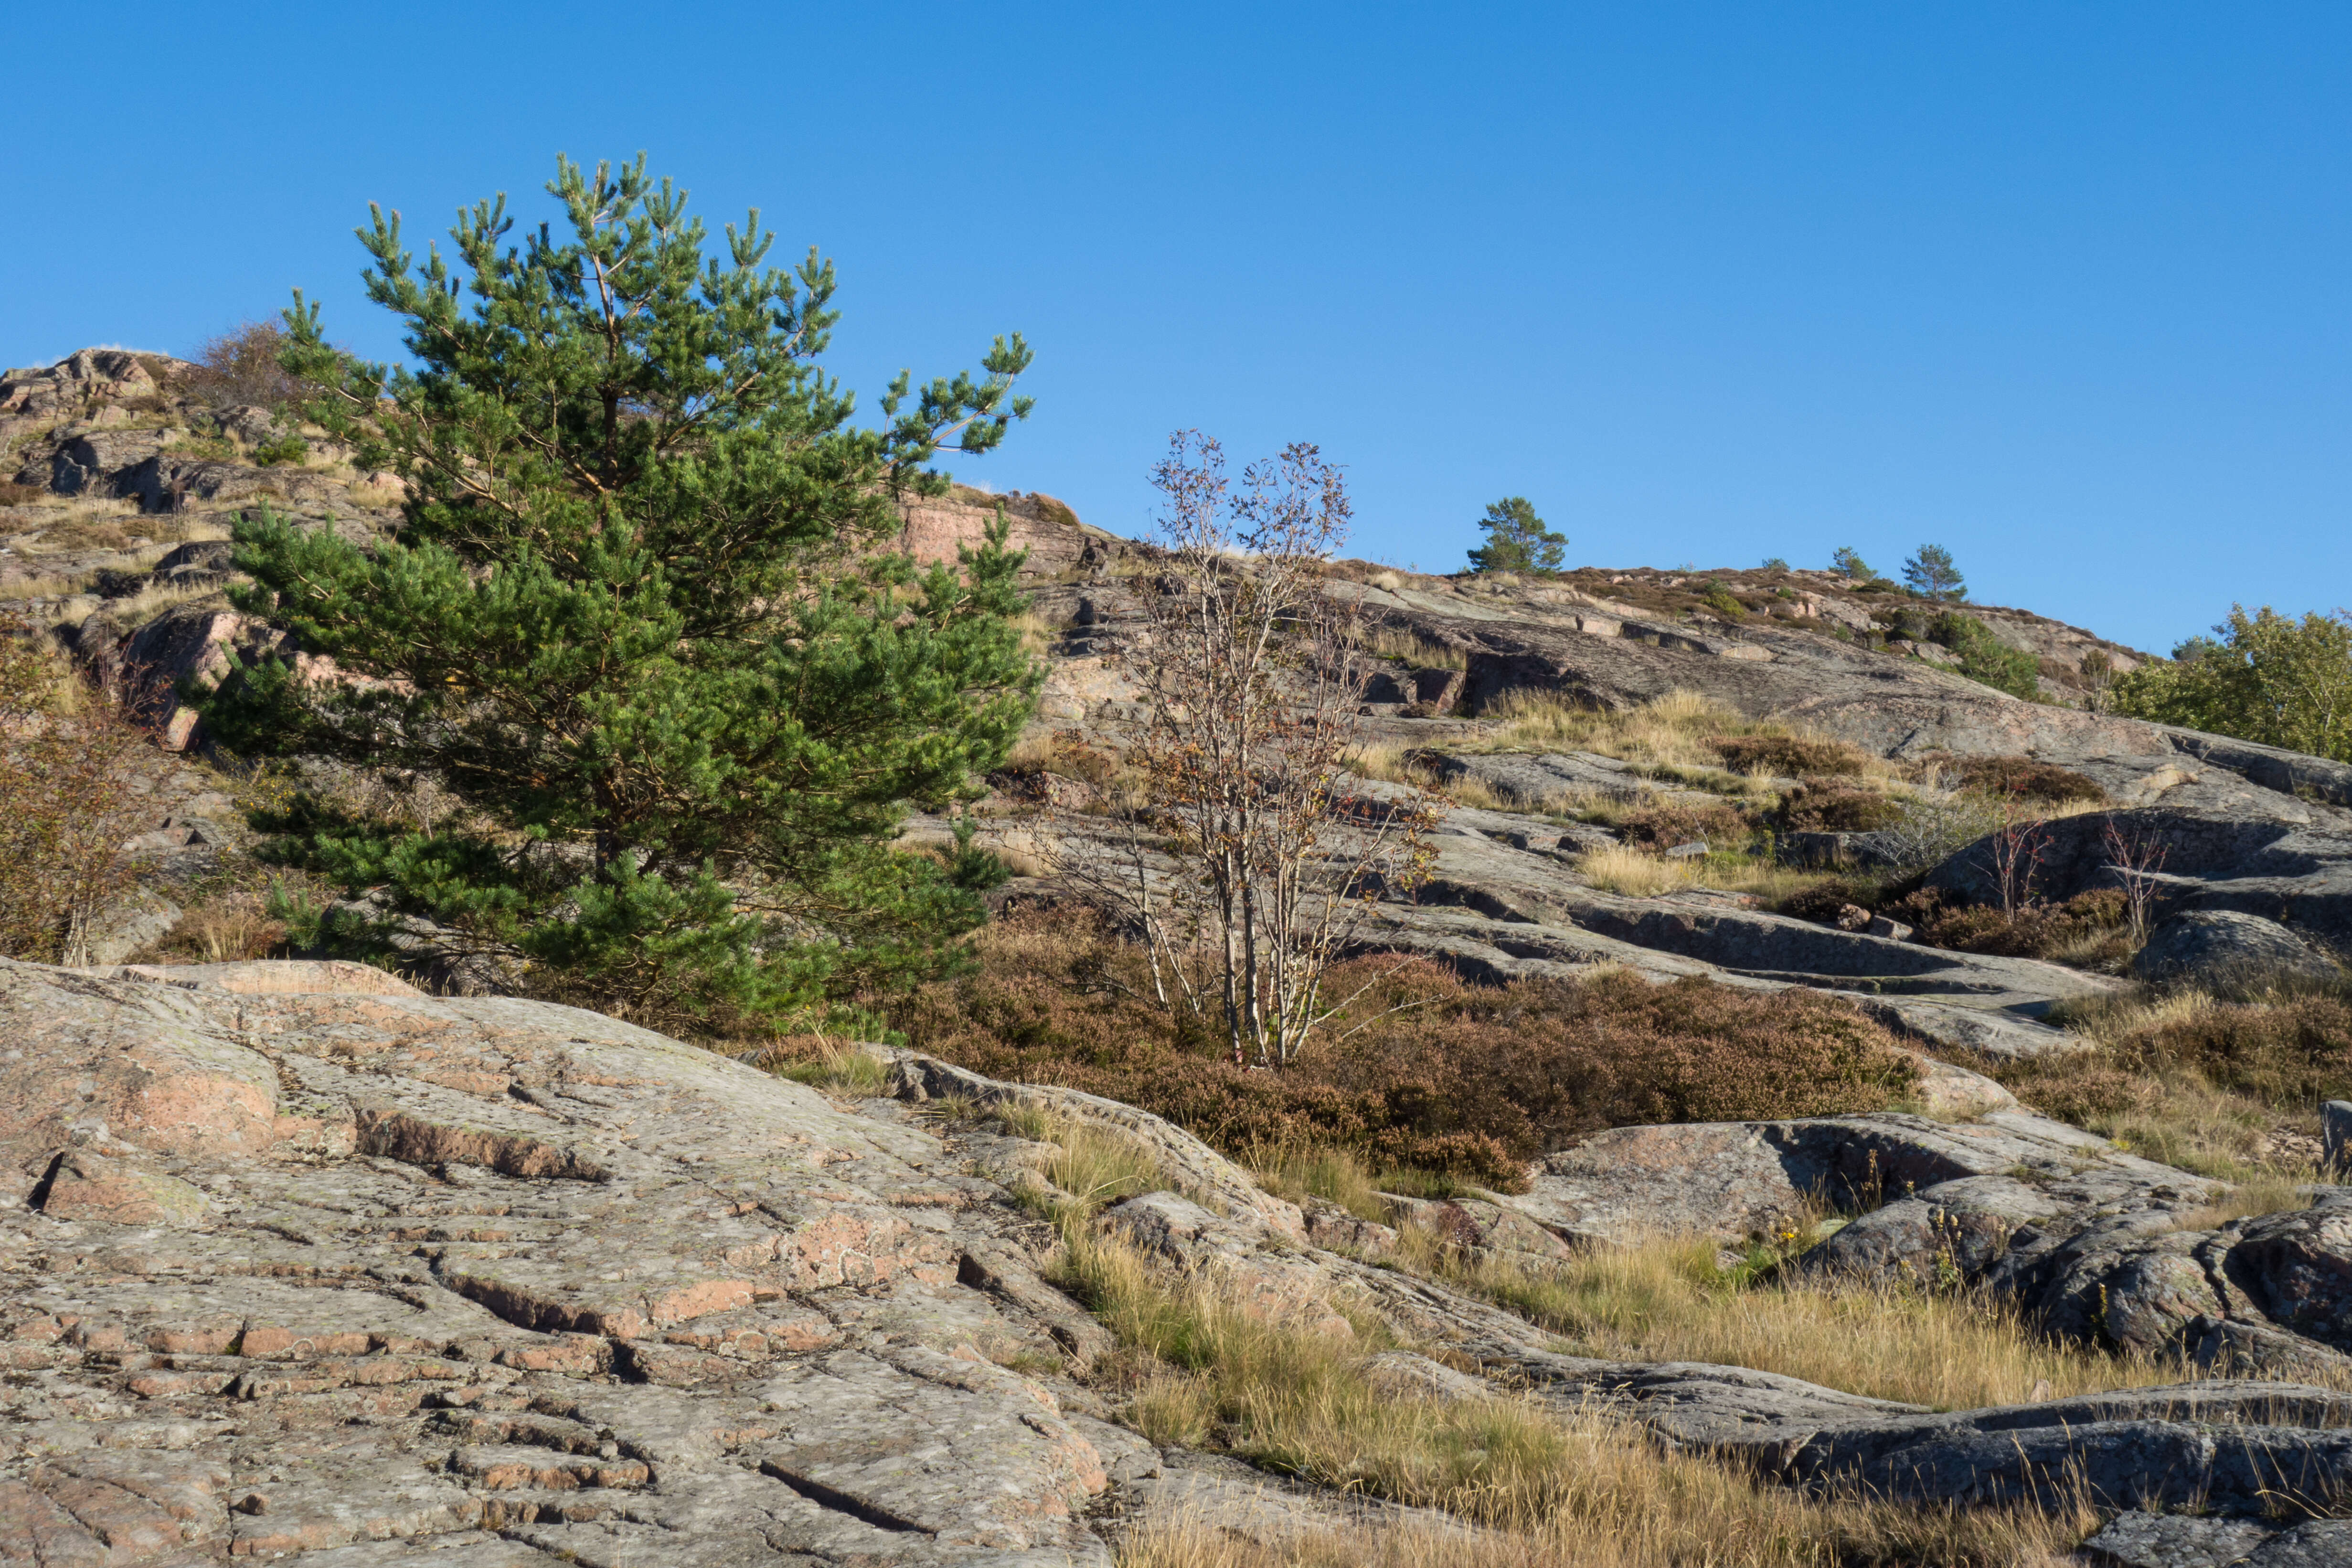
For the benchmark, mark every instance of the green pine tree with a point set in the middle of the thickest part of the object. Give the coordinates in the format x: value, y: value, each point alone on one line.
x: 1517, y: 540
x: 641, y: 617
x: 1933, y: 575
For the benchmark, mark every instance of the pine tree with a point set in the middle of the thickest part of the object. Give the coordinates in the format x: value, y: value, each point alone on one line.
x: 1517, y: 540
x: 1848, y: 562
x: 640, y: 616
x: 1932, y: 574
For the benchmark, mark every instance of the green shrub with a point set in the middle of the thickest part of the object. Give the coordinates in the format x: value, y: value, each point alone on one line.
x: 1985, y: 658
x: 281, y: 450
x: 1721, y: 600
x: 2267, y: 678
x: 209, y: 449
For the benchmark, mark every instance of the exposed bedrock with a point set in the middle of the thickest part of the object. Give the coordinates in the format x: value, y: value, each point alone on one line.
x: 296, y: 1261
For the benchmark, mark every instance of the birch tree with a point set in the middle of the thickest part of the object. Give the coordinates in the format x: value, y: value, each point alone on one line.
x: 1252, y: 676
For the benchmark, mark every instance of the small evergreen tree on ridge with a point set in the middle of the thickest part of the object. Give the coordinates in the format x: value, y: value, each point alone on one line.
x: 1517, y: 540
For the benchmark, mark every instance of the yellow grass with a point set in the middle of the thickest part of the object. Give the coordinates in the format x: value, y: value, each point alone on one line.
x: 42, y: 587
x: 1545, y: 1484
x: 1636, y: 873
x: 155, y: 599
x: 2139, y: 1080
x: 1669, y: 731
x: 1388, y: 643
x: 1666, y: 1299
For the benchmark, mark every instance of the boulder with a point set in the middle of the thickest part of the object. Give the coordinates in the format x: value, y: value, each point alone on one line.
x: 2224, y: 946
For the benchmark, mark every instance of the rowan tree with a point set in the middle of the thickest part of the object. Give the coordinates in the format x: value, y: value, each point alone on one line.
x: 2262, y: 677
x: 641, y: 618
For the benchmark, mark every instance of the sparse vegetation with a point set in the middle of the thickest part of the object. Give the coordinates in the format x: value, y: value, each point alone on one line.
x: 1411, y: 650
x: 1667, y: 824
x: 1672, y: 1298
x: 1638, y: 873
x: 1680, y: 728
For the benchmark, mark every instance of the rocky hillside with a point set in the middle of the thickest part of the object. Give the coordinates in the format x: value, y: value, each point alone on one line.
x: 296, y: 1259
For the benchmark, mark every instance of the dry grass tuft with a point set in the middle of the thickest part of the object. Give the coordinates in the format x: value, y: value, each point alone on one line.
x: 43, y: 587
x: 1299, y: 1171
x: 232, y: 928
x: 1386, y: 642
x: 1636, y: 873
x: 1091, y: 1166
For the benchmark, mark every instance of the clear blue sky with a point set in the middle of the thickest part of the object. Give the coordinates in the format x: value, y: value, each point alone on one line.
x: 2062, y: 287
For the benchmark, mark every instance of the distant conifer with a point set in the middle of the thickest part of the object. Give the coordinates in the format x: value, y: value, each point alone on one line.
x: 1517, y: 540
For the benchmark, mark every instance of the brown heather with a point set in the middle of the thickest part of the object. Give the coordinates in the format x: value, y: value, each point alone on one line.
x: 1791, y: 756
x: 1423, y: 1069
x: 2020, y: 777
x: 1670, y: 823
x: 2201, y: 1081
x: 1831, y: 805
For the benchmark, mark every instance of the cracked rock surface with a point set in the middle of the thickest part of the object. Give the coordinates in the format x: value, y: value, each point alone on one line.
x: 303, y: 1270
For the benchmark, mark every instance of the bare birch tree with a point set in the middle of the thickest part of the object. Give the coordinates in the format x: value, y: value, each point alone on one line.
x: 1253, y: 675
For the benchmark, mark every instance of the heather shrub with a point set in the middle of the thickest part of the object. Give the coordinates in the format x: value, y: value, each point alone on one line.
x: 1826, y: 806
x: 1669, y: 822
x: 2091, y: 930
x: 2020, y: 776
x: 1423, y: 1069
x: 1791, y: 756
x: 2204, y: 1081
x: 1823, y: 902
